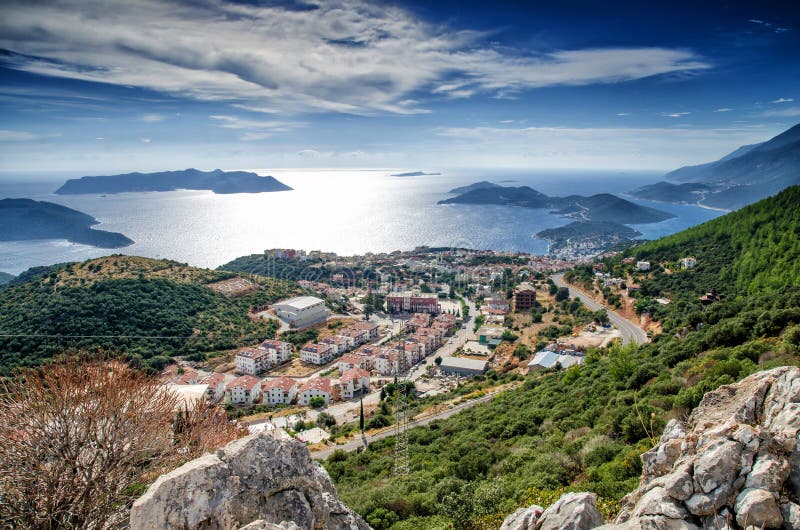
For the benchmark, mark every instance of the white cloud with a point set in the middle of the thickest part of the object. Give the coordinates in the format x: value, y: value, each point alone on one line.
x: 152, y: 118
x: 786, y: 112
x: 350, y: 56
x: 723, y: 109
x: 783, y: 100
x: 623, y: 113
x: 22, y: 136
x: 253, y: 136
x: 145, y: 140
x: 675, y: 114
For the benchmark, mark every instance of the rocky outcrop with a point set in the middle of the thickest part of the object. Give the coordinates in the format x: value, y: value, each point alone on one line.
x: 257, y: 482
x: 573, y: 511
x: 735, y: 464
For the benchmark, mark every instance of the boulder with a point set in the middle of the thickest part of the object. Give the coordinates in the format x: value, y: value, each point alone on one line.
x: 257, y: 480
x: 573, y: 511
x: 523, y: 518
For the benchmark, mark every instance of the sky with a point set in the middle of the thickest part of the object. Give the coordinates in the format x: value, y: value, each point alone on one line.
x: 109, y: 86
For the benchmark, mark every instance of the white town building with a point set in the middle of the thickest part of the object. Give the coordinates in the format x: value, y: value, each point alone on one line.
x: 302, y: 311
x: 279, y: 391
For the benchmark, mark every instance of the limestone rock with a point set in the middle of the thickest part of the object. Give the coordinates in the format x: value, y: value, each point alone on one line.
x: 254, y: 480
x: 523, y: 518
x: 757, y: 507
x: 573, y: 511
x: 791, y: 516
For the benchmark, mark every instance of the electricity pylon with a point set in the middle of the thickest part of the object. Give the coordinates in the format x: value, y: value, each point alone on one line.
x: 401, y: 460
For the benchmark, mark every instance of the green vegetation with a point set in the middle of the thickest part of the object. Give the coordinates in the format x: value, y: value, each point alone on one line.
x: 584, y: 428
x: 122, y: 302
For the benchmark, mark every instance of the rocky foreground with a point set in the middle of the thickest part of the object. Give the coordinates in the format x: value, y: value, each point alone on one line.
x: 734, y: 464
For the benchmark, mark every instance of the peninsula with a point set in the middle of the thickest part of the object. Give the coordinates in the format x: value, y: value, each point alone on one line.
x: 26, y: 219
x: 218, y: 181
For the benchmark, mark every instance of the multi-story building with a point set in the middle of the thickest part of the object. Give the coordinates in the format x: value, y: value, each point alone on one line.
x: 354, y: 381
x: 216, y: 387
x: 316, y: 387
x: 244, y: 390
x: 279, y: 391
x: 407, y: 302
x: 252, y: 361
x: 524, y: 298
x: 317, y: 353
x: 279, y: 351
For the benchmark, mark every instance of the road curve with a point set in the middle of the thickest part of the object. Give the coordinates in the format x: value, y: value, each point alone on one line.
x: 354, y: 444
x: 631, y: 333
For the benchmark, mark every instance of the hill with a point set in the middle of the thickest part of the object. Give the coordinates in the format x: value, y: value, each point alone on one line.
x: 136, y: 298
x: 6, y: 277
x: 746, y: 175
x: 583, y: 429
x: 217, y: 181
x: 26, y: 219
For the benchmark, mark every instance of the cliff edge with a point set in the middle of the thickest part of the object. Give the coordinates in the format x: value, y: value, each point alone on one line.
x: 734, y: 464
x: 256, y: 482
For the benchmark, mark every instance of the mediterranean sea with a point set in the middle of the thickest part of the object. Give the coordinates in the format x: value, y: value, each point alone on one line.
x: 347, y: 211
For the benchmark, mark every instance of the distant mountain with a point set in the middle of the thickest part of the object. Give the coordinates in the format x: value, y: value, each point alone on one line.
x: 744, y: 176
x: 26, y: 219
x: 218, y: 181
x: 476, y: 186
x: 601, y: 207
x: 6, y: 277
x: 414, y: 174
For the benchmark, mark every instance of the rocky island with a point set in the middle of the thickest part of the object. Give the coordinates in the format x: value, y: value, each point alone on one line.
x: 218, y: 181
x: 414, y: 174
x: 598, y: 220
x: 26, y: 219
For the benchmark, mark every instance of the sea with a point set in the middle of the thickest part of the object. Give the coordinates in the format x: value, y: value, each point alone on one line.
x: 347, y: 211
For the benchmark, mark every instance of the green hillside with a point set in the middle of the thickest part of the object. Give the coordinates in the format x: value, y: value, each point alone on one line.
x: 583, y: 429
x: 128, y: 296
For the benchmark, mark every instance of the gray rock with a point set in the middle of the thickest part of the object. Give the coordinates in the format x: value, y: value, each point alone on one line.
x: 768, y: 473
x: 651, y: 523
x: 717, y: 465
x: 791, y: 516
x: 758, y: 508
x: 573, y: 511
x: 708, y: 503
x: 679, y: 484
x: 658, y: 502
x: 256, y: 478
x: 523, y: 518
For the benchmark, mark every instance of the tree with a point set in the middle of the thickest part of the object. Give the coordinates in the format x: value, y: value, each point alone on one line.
x: 562, y: 293
x: 438, y: 360
x: 77, y: 435
x: 317, y: 402
x: 325, y: 420
x: 361, y: 417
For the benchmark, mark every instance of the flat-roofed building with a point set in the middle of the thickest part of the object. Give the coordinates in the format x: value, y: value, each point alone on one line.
x: 463, y: 367
x: 302, y: 311
x: 411, y: 303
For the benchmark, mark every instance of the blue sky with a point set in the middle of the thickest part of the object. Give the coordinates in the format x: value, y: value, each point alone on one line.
x: 97, y: 86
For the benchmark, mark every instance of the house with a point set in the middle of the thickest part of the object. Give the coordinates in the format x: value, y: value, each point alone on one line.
x: 244, y: 390
x: 317, y: 353
x: 252, y: 361
x: 445, y: 321
x: 353, y: 360
x: 216, y: 387
x: 407, y: 302
x: 316, y: 387
x: 491, y: 335
x: 463, y: 367
x: 354, y: 381
x: 339, y: 343
x: 179, y: 374
x: 642, y: 266
x: 688, y: 262
x: 279, y: 351
x: 302, y: 311
x: 279, y: 391
x: 418, y: 320
x: 710, y: 297
x: 500, y: 305
x: 371, y: 329
x: 633, y: 288
x: 524, y: 298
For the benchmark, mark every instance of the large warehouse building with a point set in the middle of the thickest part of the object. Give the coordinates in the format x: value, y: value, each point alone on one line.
x: 302, y: 311
x: 463, y: 367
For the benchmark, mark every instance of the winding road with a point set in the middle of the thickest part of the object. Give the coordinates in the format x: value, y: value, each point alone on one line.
x: 631, y: 333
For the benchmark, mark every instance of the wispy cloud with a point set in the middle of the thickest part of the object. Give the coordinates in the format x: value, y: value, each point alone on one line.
x: 23, y: 136
x: 152, y: 118
x: 623, y: 113
x: 782, y: 100
x: 786, y: 112
x: 350, y: 56
x: 145, y: 140
x: 675, y: 114
x: 723, y: 109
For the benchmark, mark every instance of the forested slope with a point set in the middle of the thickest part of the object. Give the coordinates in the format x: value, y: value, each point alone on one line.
x: 127, y: 296
x: 583, y: 429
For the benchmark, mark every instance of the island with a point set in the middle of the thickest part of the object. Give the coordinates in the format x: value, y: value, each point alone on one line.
x: 414, y: 174
x: 26, y: 219
x: 744, y: 176
x: 218, y: 181
x: 598, y: 220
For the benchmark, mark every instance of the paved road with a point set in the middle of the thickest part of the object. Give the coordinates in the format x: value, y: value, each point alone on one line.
x: 354, y: 444
x: 631, y: 333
